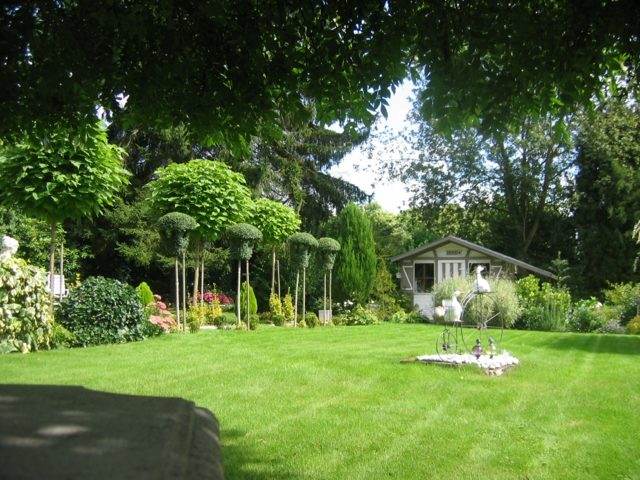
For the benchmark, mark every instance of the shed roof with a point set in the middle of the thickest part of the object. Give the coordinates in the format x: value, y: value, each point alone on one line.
x: 477, y: 248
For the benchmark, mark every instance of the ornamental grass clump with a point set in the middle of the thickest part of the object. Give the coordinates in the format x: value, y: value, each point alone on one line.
x: 102, y: 310
x: 502, y: 303
x: 25, y: 317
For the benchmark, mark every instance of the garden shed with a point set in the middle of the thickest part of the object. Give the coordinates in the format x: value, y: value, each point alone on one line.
x: 420, y: 269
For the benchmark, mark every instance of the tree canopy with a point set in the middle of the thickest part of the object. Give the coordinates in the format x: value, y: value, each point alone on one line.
x: 484, y: 62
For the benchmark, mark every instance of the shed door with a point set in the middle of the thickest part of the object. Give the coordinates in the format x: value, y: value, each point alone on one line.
x: 450, y: 269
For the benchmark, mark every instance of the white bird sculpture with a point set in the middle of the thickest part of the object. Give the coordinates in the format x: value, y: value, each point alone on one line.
x: 456, y: 308
x: 481, y: 285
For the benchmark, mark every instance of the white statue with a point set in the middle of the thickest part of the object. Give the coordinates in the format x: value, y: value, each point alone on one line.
x: 481, y: 285
x: 456, y: 308
x: 9, y: 248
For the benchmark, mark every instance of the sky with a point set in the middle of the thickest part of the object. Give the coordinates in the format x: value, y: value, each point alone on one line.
x: 358, y: 169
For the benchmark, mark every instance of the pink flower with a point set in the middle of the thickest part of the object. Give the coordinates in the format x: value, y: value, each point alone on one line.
x: 157, y: 297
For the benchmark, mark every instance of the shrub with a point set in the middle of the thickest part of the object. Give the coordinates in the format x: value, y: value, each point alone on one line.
x: 254, y: 321
x: 362, y: 316
x: 624, y: 299
x: 544, y: 307
x: 61, y: 337
x: 253, y: 303
x: 200, y: 315
x: 102, y: 310
x: 612, y: 326
x: 586, y: 316
x: 144, y: 294
x: 275, y: 305
x: 194, y: 323
x: 159, y: 316
x: 265, y: 317
x: 399, y: 317
x: 287, y: 308
x: 339, y: 319
x: 633, y: 327
x: 278, y: 320
x: 415, y: 316
x: 25, y: 315
x: 210, y: 297
x: 311, y: 319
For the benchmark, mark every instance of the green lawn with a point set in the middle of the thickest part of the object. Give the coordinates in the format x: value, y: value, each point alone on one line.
x: 335, y: 403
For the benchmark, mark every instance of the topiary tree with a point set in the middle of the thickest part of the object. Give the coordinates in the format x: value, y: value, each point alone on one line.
x: 208, y: 191
x: 25, y: 314
x: 277, y: 223
x: 242, y: 237
x: 356, y: 273
x: 174, y: 230
x: 328, y: 249
x: 102, y: 310
x: 61, y: 173
x: 301, y: 245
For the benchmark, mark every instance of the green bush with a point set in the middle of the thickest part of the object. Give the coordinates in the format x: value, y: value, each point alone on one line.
x: 275, y: 304
x: 311, y: 319
x: 339, y: 319
x: 544, y: 307
x: 25, y: 315
x: 633, y: 327
x: 586, y: 316
x: 278, y: 320
x: 612, y: 326
x: 253, y: 303
x: 362, y: 316
x: 399, y: 317
x: 415, y: 316
x: 624, y: 299
x: 102, y: 310
x: 254, y: 321
x: 288, y: 310
x: 194, y: 323
x: 145, y: 294
x: 61, y: 337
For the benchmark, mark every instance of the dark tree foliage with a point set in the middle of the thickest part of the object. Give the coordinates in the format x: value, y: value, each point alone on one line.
x: 355, y: 272
x: 608, y: 195
x: 225, y: 68
x: 293, y: 169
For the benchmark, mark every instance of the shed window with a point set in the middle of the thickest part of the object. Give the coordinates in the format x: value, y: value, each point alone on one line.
x: 425, y: 276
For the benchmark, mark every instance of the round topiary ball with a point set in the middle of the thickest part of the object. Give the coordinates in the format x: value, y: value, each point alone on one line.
x: 241, y: 238
x: 102, y: 310
x: 174, y: 232
x: 25, y: 315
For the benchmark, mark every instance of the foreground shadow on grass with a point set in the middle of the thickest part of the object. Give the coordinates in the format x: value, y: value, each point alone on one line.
x: 62, y: 432
x: 244, y: 463
x: 603, y: 343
